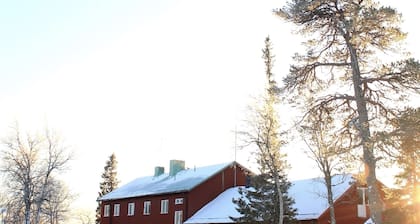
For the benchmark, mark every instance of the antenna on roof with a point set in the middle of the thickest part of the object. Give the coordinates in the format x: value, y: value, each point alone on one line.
x: 236, y: 137
x: 234, y: 166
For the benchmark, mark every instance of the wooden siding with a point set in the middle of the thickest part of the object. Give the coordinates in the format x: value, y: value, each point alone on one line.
x: 204, y: 193
x: 155, y: 215
x: 345, y: 209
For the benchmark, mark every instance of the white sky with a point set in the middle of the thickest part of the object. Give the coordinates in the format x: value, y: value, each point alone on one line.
x: 148, y: 80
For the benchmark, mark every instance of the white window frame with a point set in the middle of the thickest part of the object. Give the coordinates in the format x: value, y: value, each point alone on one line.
x: 147, y: 207
x: 164, y: 206
x: 130, y: 208
x: 179, y: 201
x: 363, y: 191
x: 117, y: 209
x: 361, y: 208
x: 106, y: 210
x: 178, y: 217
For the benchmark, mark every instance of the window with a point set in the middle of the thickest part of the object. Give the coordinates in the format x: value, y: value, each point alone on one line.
x: 179, y: 201
x: 146, y: 208
x: 106, y: 211
x: 164, y: 206
x: 362, y: 202
x: 117, y: 210
x: 130, y: 209
x: 363, y: 198
x: 178, y: 217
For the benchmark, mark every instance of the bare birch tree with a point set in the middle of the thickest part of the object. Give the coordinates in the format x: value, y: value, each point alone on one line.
x: 327, y: 150
x: 29, y: 163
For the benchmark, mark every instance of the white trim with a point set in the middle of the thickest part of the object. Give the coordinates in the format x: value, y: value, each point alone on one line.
x: 147, y: 207
x: 130, y: 208
x: 179, y: 201
x: 178, y: 217
x: 106, y: 210
x: 116, y: 209
x: 164, y: 206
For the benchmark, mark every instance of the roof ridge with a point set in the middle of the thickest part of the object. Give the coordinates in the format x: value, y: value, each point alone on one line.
x: 184, y: 180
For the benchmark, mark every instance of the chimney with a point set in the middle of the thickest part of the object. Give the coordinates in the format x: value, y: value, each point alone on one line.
x: 159, y: 170
x: 175, y: 166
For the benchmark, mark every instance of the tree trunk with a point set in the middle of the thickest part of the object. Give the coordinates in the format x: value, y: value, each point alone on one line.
x: 27, y: 214
x: 330, y: 197
x: 40, y: 200
x: 362, y: 124
x: 280, y: 195
x: 27, y: 200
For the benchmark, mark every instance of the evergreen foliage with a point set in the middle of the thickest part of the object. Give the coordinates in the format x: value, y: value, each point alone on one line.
x: 267, y: 201
x: 405, y: 201
x: 109, y: 182
x: 258, y: 203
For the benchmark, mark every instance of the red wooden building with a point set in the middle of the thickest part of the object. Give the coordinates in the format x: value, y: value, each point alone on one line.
x: 204, y: 196
x: 173, y: 197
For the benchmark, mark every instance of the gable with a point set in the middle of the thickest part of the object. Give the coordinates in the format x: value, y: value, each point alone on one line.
x: 218, y: 210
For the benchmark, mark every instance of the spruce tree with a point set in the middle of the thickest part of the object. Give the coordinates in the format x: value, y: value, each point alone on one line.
x: 109, y: 182
x: 409, y: 156
x: 267, y: 201
x: 405, y: 201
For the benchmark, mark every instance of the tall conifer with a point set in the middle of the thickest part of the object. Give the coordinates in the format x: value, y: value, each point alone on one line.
x: 267, y: 201
x: 109, y: 182
x: 404, y: 202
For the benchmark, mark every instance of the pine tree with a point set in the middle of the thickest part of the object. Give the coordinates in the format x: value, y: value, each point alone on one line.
x: 341, y: 71
x: 109, y: 182
x: 267, y: 201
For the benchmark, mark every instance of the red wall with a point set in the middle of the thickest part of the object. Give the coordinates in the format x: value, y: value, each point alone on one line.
x: 345, y: 209
x: 139, y: 217
x: 209, y: 190
x: 193, y: 200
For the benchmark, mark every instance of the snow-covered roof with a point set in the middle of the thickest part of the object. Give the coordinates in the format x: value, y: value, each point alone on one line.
x: 219, y: 210
x: 183, y: 181
x: 309, y: 195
